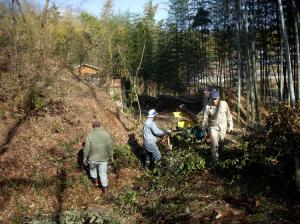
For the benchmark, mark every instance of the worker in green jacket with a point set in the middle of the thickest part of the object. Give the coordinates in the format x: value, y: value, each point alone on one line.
x: 98, y: 150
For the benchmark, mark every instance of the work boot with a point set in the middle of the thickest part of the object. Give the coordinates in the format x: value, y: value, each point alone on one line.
x: 96, y: 182
x: 104, y: 190
x: 147, y: 163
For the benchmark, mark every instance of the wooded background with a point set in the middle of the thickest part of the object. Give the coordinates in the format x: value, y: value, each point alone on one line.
x: 248, y: 46
x: 247, y: 49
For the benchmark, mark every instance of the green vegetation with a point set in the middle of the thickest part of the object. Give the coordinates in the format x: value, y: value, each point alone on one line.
x: 124, y: 156
x: 129, y: 200
x: 242, y: 48
x: 185, y: 174
x: 85, y: 182
x: 73, y: 216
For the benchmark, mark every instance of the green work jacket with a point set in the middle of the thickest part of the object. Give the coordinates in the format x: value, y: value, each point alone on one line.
x: 98, y: 146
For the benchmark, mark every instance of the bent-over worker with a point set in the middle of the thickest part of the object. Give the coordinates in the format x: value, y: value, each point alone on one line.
x: 151, y: 132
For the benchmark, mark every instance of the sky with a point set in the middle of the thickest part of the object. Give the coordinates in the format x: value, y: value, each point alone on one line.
x: 94, y: 6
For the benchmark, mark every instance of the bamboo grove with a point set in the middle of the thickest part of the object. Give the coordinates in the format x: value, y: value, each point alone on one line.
x: 248, y: 46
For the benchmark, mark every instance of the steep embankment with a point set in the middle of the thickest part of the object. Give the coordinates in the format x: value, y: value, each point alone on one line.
x: 40, y: 139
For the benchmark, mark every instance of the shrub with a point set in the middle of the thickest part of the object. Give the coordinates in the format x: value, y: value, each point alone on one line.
x: 124, y: 156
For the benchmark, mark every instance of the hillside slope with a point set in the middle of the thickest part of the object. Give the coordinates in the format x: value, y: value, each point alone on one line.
x: 44, y: 118
x: 40, y: 141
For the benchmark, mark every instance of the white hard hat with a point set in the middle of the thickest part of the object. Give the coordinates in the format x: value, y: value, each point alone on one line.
x: 152, y: 113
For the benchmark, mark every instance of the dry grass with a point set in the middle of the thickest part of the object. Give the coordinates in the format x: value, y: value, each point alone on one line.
x: 38, y: 165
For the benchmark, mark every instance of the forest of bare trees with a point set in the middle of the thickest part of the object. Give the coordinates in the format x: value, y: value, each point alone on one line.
x: 249, y: 46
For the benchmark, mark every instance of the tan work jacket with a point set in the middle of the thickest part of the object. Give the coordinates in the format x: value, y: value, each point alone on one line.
x: 218, y: 118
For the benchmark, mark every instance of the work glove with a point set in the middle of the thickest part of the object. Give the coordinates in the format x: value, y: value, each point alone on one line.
x: 85, y: 161
x: 168, y: 131
x: 181, y: 107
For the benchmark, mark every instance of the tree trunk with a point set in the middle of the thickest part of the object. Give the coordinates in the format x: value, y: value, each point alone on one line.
x: 15, y: 37
x: 248, y: 72
x: 297, y: 22
x: 287, y: 56
x: 20, y: 9
x: 282, y: 76
x: 297, y: 158
x: 238, y: 9
x: 45, y: 13
x: 254, y: 93
x: 254, y: 82
x: 42, y: 37
x: 135, y: 79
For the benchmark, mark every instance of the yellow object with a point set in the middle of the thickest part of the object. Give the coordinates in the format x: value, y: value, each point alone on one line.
x: 185, y: 124
x: 180, y: 115
x: 177, y: 114
x: 183, y: 121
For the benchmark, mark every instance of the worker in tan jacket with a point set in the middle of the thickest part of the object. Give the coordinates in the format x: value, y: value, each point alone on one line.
x: 217, y: 120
